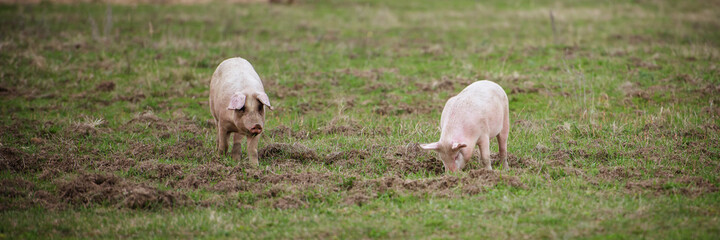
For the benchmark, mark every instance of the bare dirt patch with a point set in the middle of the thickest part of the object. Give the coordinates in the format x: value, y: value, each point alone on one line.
x: 157, y: 170
x: 164, y: 128
x: 21, y: 194
x: 445, y: 83
x: 475, y: 182
x: 400, y: 108
x: 108, y: 86
x: 17, y: 161
x: 346, y: 158
x: 16, y: 187
x: 98, y: 188
x: 692, y: 186
x: 285, y: 131
x: 412, y: 159
x: 297, y: 152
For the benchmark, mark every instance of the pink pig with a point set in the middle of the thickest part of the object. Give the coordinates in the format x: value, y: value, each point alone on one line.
x: 237, y: 101
x: 478, y: 113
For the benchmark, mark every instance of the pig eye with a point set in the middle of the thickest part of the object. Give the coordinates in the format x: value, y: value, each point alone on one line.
x: 242, y: 109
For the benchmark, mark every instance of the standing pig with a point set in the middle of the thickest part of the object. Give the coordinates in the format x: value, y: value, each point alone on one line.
x: 237, y: 100
x: 478, y: 113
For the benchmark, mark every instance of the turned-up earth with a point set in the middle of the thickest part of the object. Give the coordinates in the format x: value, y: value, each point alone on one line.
x: 105, y: 129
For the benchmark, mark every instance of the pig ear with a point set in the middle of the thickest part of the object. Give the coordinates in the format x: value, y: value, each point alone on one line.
x: 264, y: 99
x: 457, y: 146
x: 237, y: 101
x: 430, y: 146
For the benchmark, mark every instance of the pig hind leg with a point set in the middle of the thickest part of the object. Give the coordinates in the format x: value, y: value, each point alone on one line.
x: 502, y: 145
x: 484, y: 146
x: 236, y: 151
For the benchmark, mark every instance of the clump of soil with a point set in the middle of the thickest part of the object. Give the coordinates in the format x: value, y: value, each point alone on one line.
x: 400, y: 108
x: 475, y: 182
x: 115, y: 164
x: 232, y: 185
x: 618, y: 173
x: 191, y: 181
x: 341, y: 126
x: 211, y: 171
x: 285, y: 131
x: 359, y: 198
x: 17, y: 161
x: 637, y: 62
x: 288, y: 202
x: 5, y: 91
x: 15, y: 187
x: 412, y: 159
x: 21, y: 194
x: 306, y: 178
x: 526, y: 87
x: 97, y: 188
x: 105, y: 86
x: 346, y: 158
x: 165, y: 128
x: 294, y: 151
x: 443, y: 84
x: 686, y: 185
x: 157, y: 170
x: 146, y: 116
x: 187, y: 148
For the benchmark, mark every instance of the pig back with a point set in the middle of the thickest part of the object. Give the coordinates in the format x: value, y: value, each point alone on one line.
x: 231, y: 76
x: 481, y: 106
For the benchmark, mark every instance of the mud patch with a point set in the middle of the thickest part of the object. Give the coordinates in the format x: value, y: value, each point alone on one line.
x: 108, y: 189
x: 294, y: 151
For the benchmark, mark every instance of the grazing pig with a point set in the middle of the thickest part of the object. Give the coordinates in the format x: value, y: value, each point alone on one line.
x: 478, y: 113
x: 237, y: 100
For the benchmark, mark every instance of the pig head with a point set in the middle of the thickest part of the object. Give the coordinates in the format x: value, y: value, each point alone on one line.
x: 453, y: 155
x: 249, y: 112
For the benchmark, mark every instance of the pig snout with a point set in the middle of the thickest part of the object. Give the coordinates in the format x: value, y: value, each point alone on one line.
x: 257, y: 129
x: 451, y: 167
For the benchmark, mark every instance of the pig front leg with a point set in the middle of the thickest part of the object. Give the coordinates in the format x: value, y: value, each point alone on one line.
x: 222, y: 138
x: 252, y: 143
x: 236, y: 151
x: 484, y: 145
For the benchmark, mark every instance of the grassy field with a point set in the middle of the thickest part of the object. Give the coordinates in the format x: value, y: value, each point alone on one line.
x: 105, y: 126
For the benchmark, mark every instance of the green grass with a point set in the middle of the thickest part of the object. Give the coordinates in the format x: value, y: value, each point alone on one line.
x: 614, y: 119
